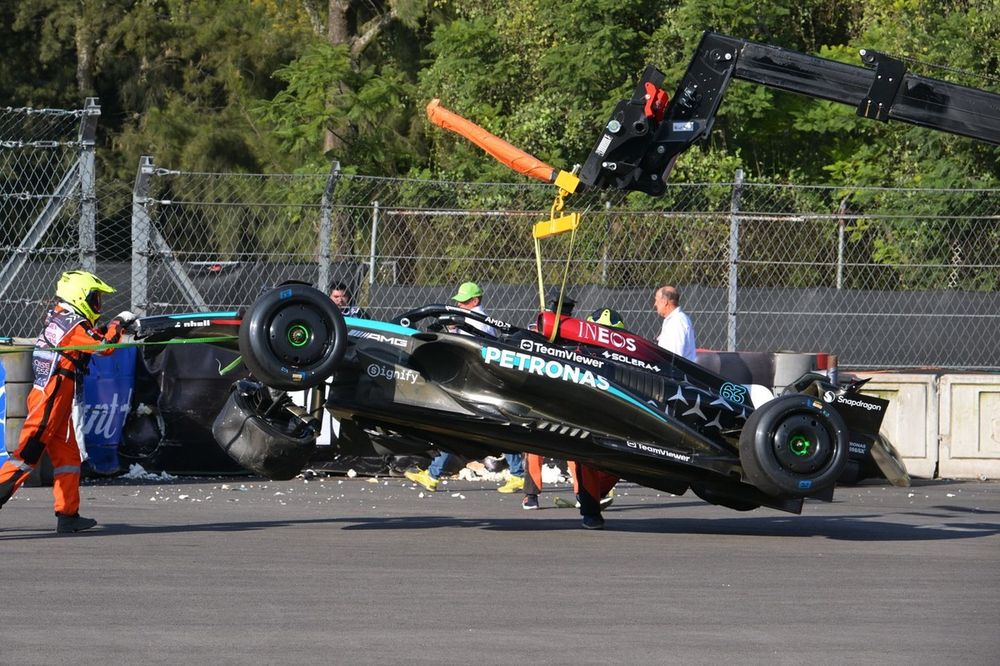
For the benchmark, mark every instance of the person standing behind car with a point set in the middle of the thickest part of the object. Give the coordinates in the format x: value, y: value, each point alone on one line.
x: 59, y: 372
x: 341, y: 297
x: 470, y: 297
x: 595, y: 487
x: 677, y: 331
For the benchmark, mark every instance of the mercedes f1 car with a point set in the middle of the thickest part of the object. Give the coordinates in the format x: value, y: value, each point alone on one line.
x: 568, y: 389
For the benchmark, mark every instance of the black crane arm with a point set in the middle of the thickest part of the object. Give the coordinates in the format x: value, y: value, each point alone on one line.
x: 646, y: 133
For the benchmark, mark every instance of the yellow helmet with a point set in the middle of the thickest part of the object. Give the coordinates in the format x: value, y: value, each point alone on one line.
x: 606, y: 317
x: 83, y: 291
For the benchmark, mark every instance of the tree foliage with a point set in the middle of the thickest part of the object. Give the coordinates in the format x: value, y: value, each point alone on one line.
x: 271, y: 85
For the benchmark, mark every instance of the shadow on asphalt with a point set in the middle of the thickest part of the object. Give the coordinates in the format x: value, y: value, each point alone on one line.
x: 854, y: 528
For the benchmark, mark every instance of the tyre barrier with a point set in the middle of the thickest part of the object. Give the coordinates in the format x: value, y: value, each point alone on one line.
x: 17, y: 384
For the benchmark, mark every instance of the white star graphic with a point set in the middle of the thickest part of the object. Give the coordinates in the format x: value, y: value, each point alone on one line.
x: 696, y: 409
x: 723, y: 402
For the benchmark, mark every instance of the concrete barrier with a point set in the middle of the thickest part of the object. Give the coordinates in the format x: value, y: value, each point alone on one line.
x: 911, y: 422
x: 775, y: 370
x: 970, y: 426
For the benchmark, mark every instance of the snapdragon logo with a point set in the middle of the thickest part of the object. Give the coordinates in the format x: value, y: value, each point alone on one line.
x: 850, y: 402
x: 534, y: 365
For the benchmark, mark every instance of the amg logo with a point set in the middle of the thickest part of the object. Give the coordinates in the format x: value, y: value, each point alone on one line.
x: 378, y: 337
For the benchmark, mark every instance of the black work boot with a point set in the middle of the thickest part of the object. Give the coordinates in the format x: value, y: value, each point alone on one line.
x: 74, y: 523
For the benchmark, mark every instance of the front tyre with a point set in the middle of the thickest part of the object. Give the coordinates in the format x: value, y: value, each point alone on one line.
x: 292, y: 337
x: 794, y: 446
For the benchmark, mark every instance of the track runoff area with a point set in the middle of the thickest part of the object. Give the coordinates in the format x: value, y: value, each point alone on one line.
x: 354, y: 570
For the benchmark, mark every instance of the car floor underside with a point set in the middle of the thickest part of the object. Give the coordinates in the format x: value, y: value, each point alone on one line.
x: 478, y: 437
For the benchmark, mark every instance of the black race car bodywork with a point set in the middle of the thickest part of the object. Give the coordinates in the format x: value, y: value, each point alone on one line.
x: 577, y: 391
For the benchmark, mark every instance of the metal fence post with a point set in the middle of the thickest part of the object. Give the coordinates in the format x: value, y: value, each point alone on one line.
x: 88, y: 196
x: 371, y: 252
x: 734, y: 256
x: 140, y: 235
x: 325, y: 224
x: 840, y: 242
x: 604, y: 244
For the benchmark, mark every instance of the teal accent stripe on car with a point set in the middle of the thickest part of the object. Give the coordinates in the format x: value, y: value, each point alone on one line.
x: 627, y: 398
x: 203, y: 315
x: 371, y: 324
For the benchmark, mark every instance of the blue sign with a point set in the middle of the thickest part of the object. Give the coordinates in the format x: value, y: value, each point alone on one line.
x: 107, y: 393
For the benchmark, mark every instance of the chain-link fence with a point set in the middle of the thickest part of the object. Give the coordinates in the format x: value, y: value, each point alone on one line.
x: 882, y: 277
x: 47, y: 204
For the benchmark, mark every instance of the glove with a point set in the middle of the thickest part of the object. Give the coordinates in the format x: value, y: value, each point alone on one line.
x: 125, y: 319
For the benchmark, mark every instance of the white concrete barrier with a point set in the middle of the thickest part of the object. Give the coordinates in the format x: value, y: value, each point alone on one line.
x: 970, y: 426
x: 911, y: 421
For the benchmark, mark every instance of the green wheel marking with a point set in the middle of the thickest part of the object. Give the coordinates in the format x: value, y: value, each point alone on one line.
x: 800, y: 445
x: 298, y: 335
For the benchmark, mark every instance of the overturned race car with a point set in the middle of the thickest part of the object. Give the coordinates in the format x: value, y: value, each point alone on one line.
x: 569, y: 389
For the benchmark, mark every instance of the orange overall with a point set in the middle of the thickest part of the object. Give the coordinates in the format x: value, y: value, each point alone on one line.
x: 589, y: 484
x: 48, y: 426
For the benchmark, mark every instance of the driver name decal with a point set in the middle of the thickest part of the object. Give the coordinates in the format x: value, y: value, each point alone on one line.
x: 534, y: 365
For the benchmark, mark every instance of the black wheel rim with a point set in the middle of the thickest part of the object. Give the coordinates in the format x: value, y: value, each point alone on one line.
x: 802, y: 444
x: 299, y: 335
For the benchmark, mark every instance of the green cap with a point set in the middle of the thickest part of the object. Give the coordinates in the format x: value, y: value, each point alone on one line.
x: 466, y: 291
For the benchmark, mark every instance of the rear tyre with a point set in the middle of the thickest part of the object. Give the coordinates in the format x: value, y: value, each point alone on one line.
x: 292, y: 337
x: 793, y: 446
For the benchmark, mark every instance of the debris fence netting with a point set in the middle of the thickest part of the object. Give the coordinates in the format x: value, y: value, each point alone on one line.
x: 881, y: 277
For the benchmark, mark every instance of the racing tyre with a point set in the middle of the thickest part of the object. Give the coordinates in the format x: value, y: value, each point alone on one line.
x: 793, y: 446
x: 262, y: 436
x: 292, y: 337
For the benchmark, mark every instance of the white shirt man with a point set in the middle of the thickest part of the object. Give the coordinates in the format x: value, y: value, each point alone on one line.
x: 677, y: 332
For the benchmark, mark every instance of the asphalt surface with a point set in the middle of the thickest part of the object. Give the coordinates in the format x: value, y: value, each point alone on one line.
x: 348, y: 571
